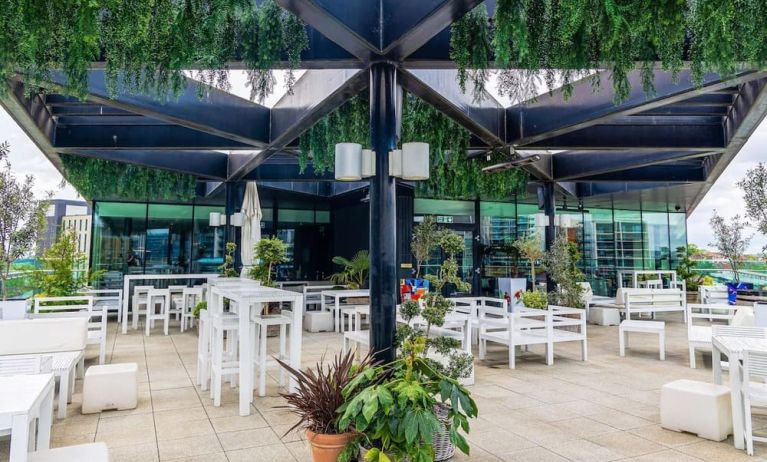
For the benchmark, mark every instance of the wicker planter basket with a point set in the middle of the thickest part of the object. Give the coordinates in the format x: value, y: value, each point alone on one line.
x: 443, y: 448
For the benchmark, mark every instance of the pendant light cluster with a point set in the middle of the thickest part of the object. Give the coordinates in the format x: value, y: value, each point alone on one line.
x: 409, y: 163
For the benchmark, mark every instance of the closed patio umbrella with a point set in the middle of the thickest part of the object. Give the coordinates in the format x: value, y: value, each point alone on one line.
x: 251, y: 225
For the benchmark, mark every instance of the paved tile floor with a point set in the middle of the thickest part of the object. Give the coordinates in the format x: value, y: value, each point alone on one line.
x: 602, y: 410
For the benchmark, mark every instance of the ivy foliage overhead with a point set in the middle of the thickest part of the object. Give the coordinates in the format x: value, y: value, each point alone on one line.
x: 452, y: 175
x: 147, y: 44
x: 97, y: 178
x: 565, y: 37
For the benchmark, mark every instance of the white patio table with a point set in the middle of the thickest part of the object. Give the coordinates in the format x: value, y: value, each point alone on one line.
x: 733, y: 348
x: 153, y: 277
x: 251, y: 299
x: 337, y: 295
x: 22, y: 399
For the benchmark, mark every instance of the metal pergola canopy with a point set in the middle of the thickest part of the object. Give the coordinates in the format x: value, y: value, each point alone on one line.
x: 680, y: 139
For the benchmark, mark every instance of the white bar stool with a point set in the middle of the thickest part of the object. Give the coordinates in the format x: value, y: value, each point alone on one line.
x: 176, y: 300
x: 139, y: 300
x: 224, y: 359
x: 157, y: 298
x: 190, y: 297
x: 259, y: 333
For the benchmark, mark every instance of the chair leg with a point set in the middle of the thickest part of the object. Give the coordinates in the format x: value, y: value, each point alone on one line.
x: 748, y: 430
x: 662, y: 345
x: 262, y: 365
x: 103, y: 348
x: 512, y: 356
x: 584, y: 350
x: 622, y: 342
x: 63, y: 395
x: 283, y: 330
x: 692, y: 358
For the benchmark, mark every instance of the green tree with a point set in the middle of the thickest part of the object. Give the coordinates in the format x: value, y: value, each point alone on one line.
x: 22, y: 217
x: 562, y: 265
x: 685, y: 267
x: 423, y: 242
x: 227, y: 269
x: 531, y: 248
x: 270, y: 252
x: 63, y: 270
x: 730, y: 240
x: 354, y: 272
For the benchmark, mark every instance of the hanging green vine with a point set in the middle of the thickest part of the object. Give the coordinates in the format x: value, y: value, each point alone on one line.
x: 453, y: 174
x: 470, y: 50
x: 347, y: 124
x: 97, y: 178
x: 148, y: 45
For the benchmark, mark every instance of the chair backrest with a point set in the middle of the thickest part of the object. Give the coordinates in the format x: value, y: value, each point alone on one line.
x: 141, y: 290
x: 63, y: 304
x: 712, y: 294
x: 653, y: 300
x: 25, y: 364
x: 194, y: 294
x: 710, y: 312
x: 46, y: 335
x: 739, y: 331
x: 754, y: 367
x: 530, y: 318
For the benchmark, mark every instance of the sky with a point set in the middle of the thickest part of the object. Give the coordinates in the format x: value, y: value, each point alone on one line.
x: 724, y: 197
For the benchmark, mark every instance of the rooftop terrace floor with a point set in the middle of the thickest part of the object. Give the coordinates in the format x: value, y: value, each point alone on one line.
x: 602, y: 410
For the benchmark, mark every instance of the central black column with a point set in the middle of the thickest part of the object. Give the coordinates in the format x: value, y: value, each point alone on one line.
x: 547, y: 196
x: 384, y: 96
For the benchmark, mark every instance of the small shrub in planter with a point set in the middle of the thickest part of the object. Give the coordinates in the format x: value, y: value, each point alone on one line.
x: 535, y: 299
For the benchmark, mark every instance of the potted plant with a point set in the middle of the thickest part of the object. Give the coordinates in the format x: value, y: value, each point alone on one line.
x: 22, y: 221
x: 63, y: 271
x: 226, y: 269
x: 319, y: 395
x: 392, y: 409
x: 685, y: 269
x: 562, y: 264
x: 535, y: 299
x: 269, y: 252
x: 354, y: 272
x: 531, y: 248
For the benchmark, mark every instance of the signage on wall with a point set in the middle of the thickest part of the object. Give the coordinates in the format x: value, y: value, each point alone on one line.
x: 445, y: 219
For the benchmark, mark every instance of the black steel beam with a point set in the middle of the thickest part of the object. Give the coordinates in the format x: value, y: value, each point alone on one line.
x: 600, y: 189
x: 287, y: 172
x: 316, y: 94
x: 679, y: 110
x: 654, y: 174
x: 88, y: 120
x: 74, y: 137
x: 696, y: 137
x: 204, y: 164
x: 570, y: 166
x: 437, y: 20
x: 333, y: 28
x: 485, y: 118
x: 552, y: 115
x: 218, y: 113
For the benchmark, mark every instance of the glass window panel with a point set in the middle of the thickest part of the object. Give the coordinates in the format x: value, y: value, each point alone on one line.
x: 498, y: 230
x: 446, y: 212
x: 119, y: 240
x: 656, y: 245
x: 209, y: 245
x: 168, y: 238
x: 678, y: 232
x: 295, y: 217
x: 599, y: 251
x: 629, y: 239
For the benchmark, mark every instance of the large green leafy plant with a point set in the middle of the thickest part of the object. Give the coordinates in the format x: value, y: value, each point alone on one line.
x: 391, y: 407
x: 354, y: 272
x: 685, y: 269
x: 97, y: 178
x: 562, y: 265
x: 270, y: 252
x: 63, y: 268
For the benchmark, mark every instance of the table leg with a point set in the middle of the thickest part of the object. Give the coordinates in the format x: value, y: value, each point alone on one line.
x: 19, y: 438
x: 296, y: 333
x: 246, y: 359
x: 64, y: 392
x: 737, y: 403
x: 45, y: 420
x: 716, y: 364
x: 126, y: 296
x: 337, y: 312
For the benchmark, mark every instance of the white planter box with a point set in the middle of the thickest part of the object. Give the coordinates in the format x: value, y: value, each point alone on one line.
x: 13, y: 309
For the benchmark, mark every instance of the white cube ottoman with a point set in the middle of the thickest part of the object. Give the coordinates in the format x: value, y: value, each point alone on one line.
x: 604, y: 316
x: 318, y: 321
x: 110, y: 386
x: 701, y: 408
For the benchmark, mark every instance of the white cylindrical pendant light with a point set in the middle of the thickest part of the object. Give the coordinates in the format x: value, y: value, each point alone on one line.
x: 395, y: 163
x: 348, y: 162
x: 541, y: 220
x: 214, y: 219
x: 237, y: 219
x: 415, y: 161
x: 368, y: 163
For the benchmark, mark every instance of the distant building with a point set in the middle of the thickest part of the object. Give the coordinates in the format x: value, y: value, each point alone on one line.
x: 81, y: 224
x: 59, y: 209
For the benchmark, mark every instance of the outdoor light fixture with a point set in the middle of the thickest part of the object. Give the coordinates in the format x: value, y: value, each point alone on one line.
x: 517, y: 160
x: 414, y: 162
x: 348, y: 161
x: 409, y: 163
x: 214, y: 219
x: 237, y: 219
x: 541, y: 220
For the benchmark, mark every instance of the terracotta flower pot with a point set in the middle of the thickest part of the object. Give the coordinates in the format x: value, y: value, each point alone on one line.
x: 326, y: 448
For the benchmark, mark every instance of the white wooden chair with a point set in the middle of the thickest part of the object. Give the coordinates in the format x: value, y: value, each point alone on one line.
x: 649, y: 301
x: 139, y: 300
x: 569, y: 325
x: 522, y: 328
x: 699, y: 336
x: 190, y: 297
x: 176, y: 300
x: 158, y: 309
x: 77, y: 305
x: 471, y: 306
x: 754, y: 392
x: 111, y: 299
x: 712, y: 294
